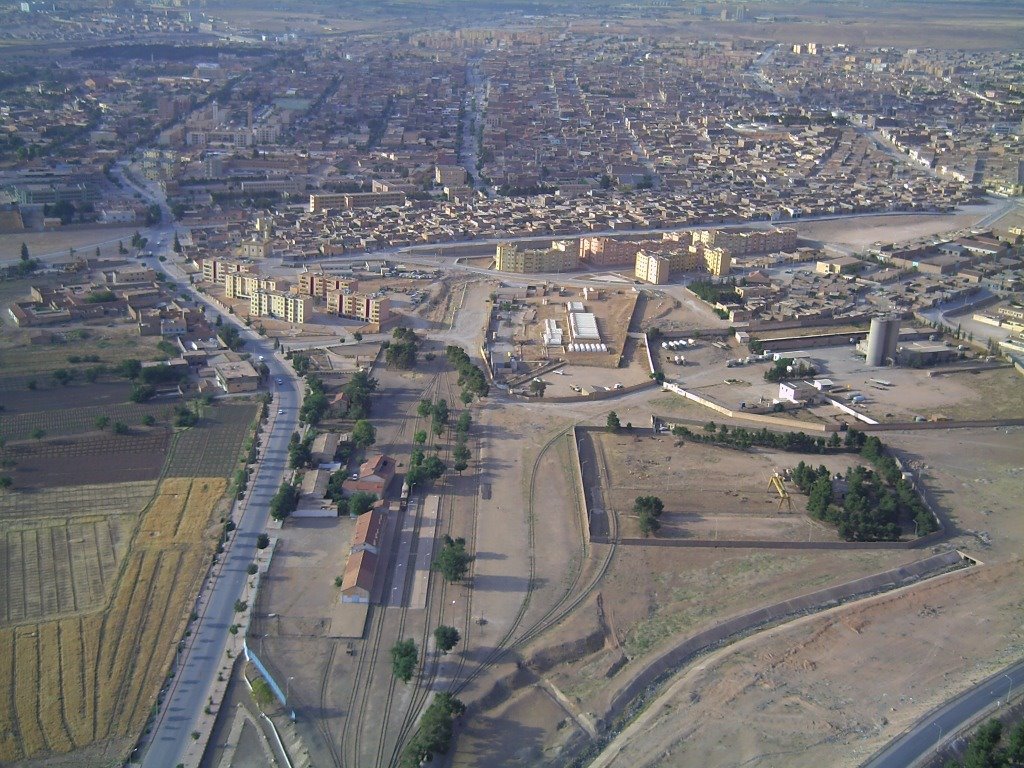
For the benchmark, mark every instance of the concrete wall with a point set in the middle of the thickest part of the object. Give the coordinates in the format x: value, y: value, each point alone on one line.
x: 779, y: 422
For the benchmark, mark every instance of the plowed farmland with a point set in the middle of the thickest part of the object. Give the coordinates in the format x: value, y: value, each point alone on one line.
x: 89, y: 679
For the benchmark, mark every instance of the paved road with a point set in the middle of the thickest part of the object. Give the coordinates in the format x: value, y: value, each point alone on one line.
x: 927, y: 735
x: 198, y: 666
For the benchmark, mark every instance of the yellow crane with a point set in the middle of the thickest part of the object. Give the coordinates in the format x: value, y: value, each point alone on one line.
x: 775, y: 483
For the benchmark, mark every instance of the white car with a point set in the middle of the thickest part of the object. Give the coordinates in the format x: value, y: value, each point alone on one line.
x: 280, y: 411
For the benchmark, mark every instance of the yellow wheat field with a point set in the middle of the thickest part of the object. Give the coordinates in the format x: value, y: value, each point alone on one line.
x: 92, y: 678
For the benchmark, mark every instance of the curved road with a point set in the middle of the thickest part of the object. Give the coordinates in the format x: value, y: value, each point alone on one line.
x: 198, y: 665
x: 928, y: 733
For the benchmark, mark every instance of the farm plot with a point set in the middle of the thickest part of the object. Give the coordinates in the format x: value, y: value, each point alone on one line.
x: 37, y: 508
x: 90, y: 680
x: 87, y: 459
x: 211, y: 448
x: 74, y: 421
x: 64, y: 567
x: 48, y: 395
x: 110, y: 348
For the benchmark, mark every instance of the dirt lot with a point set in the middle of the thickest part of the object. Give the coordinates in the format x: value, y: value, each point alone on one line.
x: 862, y: 231
x: 87, y: 680
x: 832, y: 689
x: 709, y: 492
x: 53, y: 246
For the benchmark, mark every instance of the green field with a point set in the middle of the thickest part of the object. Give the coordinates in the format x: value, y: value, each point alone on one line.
x: 20, y: 426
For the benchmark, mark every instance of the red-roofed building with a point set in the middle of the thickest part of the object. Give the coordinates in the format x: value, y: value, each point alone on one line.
x: 369, y: 527
x: 357, y: 581
x: 375, y: 475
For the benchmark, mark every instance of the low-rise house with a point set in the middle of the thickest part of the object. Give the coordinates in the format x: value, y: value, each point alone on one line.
x: 374, y: 476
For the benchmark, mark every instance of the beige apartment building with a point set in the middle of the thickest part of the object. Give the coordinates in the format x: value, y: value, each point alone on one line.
x: 562, y: 256
x: 282, y: 306
x: 215, y: 269
x: 361, y: 306
x: 350, y: 200
x: 743, y: 242
x: 658, y: 268
x: 243, y: 285
x: 320, y: 285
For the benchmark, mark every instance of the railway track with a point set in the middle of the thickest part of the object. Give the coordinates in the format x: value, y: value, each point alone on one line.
x: 355, y: 720
x: 438, y: 594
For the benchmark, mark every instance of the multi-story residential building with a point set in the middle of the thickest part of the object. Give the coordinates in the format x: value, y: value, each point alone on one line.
x: 562, y: 256
x: 243, y: 285
x: 320, y: 285
x: 654, y: 268
x: 214, y: 270
x: 364, y: 307
x: 742, y: 242
x: 351, y: 200
x: 607, y: 251
x: 658, y: 268
x: 282, y: 306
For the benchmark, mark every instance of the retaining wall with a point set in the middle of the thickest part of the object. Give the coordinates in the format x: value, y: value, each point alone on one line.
x: 670, y: 660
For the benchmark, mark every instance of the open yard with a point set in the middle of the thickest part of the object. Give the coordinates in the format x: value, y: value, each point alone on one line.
x: 90, y: 678
x: 708, y: 492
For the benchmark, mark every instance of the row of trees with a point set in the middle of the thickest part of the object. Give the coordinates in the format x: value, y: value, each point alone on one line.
x: 993, y: 747
x: 795, y: 442
x: 780, y: 371
x: 471, y: 377
x: 315, y: 404
x: 435, y: 732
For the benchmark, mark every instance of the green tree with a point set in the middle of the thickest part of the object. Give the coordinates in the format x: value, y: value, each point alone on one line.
x: 446, y: 638
x: 612, y: 423
x: 38, y: 434
x: 24, y: 252
x: 420, y: 437
x: 120, y: 428
x: 820, y: 497
x: 5, y: 482
x: 425, y: 408
x: 363, y: 434
x: 435, y: 732
x: 404, y: 657
x: 177, y: 244
x: 452, y: 562
x: 262, y: 541
x: 102, y: 422
x: 360, y: 502
x: 537, y: 387
x: 648, y: 509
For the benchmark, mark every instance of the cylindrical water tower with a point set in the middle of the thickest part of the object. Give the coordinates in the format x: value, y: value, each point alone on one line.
x: 882, y: 340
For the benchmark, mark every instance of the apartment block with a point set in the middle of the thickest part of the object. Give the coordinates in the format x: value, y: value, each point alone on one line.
x: 319, y: 284
x: 658, y: 268
x: 282, y: 306
x: 351, y: 200
x: 361, y: 306
x: 562, y: 256
x: 743, y: 242
x: 608, y: 252
x: 243, y: 285
x: 214, y: 270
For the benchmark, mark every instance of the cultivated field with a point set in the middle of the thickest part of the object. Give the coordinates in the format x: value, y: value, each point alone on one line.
x: 211, y: 448
x: 73, y: 421
x: 85, y: 459
x: 89, y: 679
